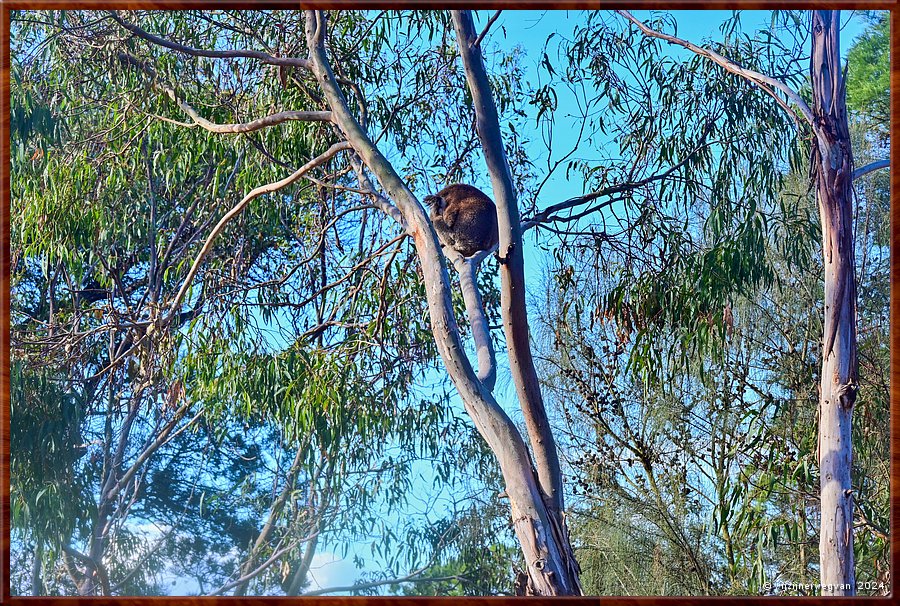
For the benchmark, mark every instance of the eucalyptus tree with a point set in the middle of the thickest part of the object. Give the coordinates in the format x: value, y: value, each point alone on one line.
x: 833, y: 172
x: 688, y: 281
x: 644, y: 298
x: 280, y: 159
x: 195, y: 396
x: 362, y: 319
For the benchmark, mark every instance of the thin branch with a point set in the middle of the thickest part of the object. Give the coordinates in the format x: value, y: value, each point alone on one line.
x: 381, y: 202
x: 350, y: 272
x: 372, y: 584
x: 242, y: 127
x: 253, y: 125
x: 871, y: 167
x: 255, y: 193
x: 547, y: 214
x: 213, y: 54
x: 164, y: 436
x: 262, y: 567
x: 761, y: 80
x: 485, y: 30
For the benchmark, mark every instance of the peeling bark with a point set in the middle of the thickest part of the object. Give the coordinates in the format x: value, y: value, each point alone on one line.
x: 832, y: 166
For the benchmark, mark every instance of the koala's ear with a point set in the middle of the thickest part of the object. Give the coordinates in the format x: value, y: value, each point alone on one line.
x: 434, y: 202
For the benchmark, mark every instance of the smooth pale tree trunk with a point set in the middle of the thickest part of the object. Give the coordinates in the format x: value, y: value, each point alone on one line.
x: 515, y: 316
x: 547, y: 562
x: 832, y: 165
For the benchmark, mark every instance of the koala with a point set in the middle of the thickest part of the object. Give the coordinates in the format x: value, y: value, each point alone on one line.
x: 464, y: 218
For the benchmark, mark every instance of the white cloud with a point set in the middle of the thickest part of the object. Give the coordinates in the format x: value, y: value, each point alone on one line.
x: 329, y: 570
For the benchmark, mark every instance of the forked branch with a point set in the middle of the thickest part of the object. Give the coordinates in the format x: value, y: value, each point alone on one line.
x: 236, y: 128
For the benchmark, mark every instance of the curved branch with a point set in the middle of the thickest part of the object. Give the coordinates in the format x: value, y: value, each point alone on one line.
x: 241, y: 127
x: 212, y: 54
x: 547, y: 214
x: 871, y: 167
x: 253, y: 125
x: 558, y: 571
x: 761, y: 80
x: 529, y: 513
x: 255, y: 193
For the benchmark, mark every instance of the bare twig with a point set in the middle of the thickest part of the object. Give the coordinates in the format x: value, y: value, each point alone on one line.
x: 486, y: 28
x: 547, y: 214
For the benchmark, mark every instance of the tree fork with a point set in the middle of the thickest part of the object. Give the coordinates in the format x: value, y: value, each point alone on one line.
x: 513, y: 308
x: 547, y: 559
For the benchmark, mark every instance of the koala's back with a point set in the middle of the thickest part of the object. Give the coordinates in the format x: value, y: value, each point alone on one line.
x: 468, y: 221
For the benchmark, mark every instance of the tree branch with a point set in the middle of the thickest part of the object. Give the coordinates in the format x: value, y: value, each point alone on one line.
x: 247, y: 127
x: 255, y: 193
x: 558, y: 570
x: 484, y: 32
x: 241, y: 127
x: 871, y: 167
x: 212, y: 54
x: 382, y: 203
x: 481, y: 333
x: 761, y: 80
x: 546, y: 214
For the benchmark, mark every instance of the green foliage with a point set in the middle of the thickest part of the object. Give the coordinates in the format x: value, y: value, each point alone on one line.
x: 682, y: 334
x: 869, y: 72
x: 303, y: 336
x: 682, y: 233
x: 293, y: 404
x: 49, y: 498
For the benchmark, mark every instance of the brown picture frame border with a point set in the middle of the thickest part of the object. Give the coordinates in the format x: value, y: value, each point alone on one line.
x: 9, y: 5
